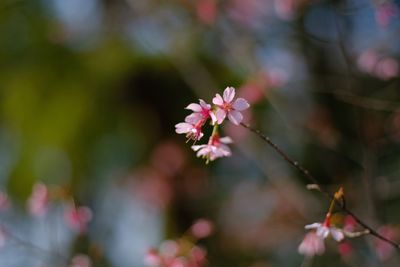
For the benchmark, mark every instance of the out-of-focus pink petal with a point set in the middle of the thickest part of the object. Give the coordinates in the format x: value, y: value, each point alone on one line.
x: 152, y: 258
x: 217, y: 100
x: 81, y: 260
x: 312, y: 226
x: 235, y: 117
x: 226, y: 140
x: 194, y: 107
x: 311, y: 245
x: 204, y: 105
x: 240, y: 104
x: 336, y: 234
x: 169, y: 248
x: 323, y: 232
x: 202, y: 228
x: 229, y: 94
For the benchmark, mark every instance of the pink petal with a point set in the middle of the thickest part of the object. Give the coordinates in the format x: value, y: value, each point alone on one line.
x: 220, y: 114
x: 229, y: 94
x: 337, y: 234
x: 217, y: 100
x: 183, y: 127
x: 204, y: 105
x: 213, y: 117
x: 195, y: 148
x: 312, y: 226
x: 323, y: 232
x: 194, y: 118
x: 225, y: 151
x: 85, y: 214
x: 226, y: 140
x: 235, y: 117
x: 311, y: 245
x: 240, y: 104
x: 194, y: 107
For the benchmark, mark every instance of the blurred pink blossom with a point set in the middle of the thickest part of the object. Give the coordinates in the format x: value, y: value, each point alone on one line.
x: 387, y: 68
x: 311, y: 245
x: 323, y: 230
x: 175, y: 254
x: 382, y: 67
x: 77, y: 218
x: 384, y: 13
x: 152, y: 187
x: 227, y: 107
x: 384, y: 250
x: 5, y: 203
x: 39, y: 200
x: 202, y: 228
x: 248, y: 13
x: 286, y: 9
x: 345, y: 249
x: 206, y: 11
x: 81, y: 260
x: 168, y: 158
x: 152, y: 258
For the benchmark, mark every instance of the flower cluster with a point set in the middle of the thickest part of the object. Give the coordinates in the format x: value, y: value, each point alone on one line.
x: 77, y: 218
x: 182, y: 252
x: 313, y: 242
x: 225, y: 106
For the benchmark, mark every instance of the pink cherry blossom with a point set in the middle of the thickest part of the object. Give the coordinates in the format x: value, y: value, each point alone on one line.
x: 77, y: 217
x: 323, y: 230
x: 192, y: 131
x: 311, y: 245
x: 201, y: 112
x: 81, y: 260
x: 215, y: 148
x: 194, y: 122
x: 202, y: 228
x: 39, y: 200
x: 227, y: 107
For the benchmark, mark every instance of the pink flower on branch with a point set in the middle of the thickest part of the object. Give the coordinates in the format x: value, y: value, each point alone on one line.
x: 227, y: 107
x: 194, y: 122
x: 323, y: 230
x: 192, y: 131
x: 201, y: 112
x: 311, y: 245
x: 216, y: 148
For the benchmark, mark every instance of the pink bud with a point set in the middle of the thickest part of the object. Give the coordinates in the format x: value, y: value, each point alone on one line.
x: 78, y: 218
x: 202, y: 228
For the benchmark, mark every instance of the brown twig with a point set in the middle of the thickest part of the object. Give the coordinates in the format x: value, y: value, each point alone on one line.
x: 312, y: 179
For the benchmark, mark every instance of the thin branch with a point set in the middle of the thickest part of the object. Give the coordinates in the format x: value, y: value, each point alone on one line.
x: 312, y: 179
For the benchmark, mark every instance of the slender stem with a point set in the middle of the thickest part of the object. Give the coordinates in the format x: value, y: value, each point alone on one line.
x: 312, y: 179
